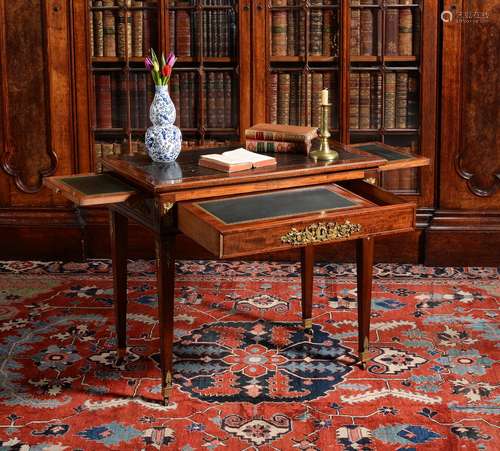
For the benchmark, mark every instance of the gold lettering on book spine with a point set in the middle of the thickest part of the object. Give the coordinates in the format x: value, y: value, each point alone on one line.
x: 320, y: 232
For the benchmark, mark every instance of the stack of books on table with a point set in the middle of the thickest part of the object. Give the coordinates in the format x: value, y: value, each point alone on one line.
x: 271, y: 138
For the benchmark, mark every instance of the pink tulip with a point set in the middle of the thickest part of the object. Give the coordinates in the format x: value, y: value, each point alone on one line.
x: 171, y: 59
x: 148, y: 63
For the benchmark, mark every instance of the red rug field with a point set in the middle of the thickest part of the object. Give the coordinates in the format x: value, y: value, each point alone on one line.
x: 246, y: 377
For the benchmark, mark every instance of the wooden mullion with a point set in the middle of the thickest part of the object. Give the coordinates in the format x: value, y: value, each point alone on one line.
x: 201, y: 72
x: 345, y: 67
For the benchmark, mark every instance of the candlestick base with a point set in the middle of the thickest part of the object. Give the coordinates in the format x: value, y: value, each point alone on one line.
x: 324, y: 153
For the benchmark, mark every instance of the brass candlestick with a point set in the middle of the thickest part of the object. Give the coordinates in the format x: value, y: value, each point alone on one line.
x: 324, y: 153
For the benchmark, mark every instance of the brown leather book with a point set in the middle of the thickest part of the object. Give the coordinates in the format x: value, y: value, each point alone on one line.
x: 301, y: 101
x: 129, y: 28
x: 328, y: 29
x: 219, y: 99
x: 390, y: 100
x: 183, y: 88
x: 308, y: 101
x: 364, y: 100
x: 91, y: 30
x: 171, y: 31
x: 316, y: 29
x: 412, y: 111
x: 236, y: 160
x: 121, y: 29
x: 146, y: 31
x: 228, y: 100
x: 291, y: 30
x: 401, y: 99
x: 103, y: 100
x: 294, y: 107
x: 302, y: 33
x: 98, y: 30
x: 183, y: 29
x: 366, y: 29
x: 355, y: 29
x: 109, y: 29
x: 278, y: 132
x: 354, y: 100
x: 137, y: 28
x: 192, y: 95
x: 284, y: 98
x: 211, y: 106
x: 317, y: 86
x: 273, y: 95
x: 391, y: 28
x: 375, y: 100
x: 279, y: 30
x: 174, y: 93
x: 405, y: 29
x: 141, y: 100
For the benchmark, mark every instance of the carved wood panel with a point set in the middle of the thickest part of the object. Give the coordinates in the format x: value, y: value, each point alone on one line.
x: 27, y: 155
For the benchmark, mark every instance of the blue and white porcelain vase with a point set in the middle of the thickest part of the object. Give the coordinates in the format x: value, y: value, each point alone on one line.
x: 163, y: 138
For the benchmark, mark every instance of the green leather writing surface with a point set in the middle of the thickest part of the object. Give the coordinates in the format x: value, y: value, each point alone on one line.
x: 96, y: 184
x: 275, y: 205
x: 388, y: 154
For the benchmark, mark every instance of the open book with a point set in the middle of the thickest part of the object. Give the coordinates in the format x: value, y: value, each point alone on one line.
x: 236, y: 160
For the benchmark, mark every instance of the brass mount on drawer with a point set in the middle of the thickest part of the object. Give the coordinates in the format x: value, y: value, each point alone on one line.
x: 320, y: 232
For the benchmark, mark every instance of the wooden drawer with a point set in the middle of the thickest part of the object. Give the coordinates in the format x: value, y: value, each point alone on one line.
x: 243, y: 225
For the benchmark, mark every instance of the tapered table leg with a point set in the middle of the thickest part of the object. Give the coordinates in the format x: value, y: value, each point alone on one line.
x: 165, y: 260
x: 118, y: 229
x: 364, y: 262
x: 307, y: 269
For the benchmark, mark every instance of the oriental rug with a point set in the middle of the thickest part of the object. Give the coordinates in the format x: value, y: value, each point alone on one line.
x: 246, y: 377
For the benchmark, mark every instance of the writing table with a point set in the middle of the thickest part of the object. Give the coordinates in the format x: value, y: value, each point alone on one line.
x: 299, y: 203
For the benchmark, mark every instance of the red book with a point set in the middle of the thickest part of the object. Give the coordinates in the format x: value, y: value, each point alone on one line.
x: 103, y: 100
x: 183, y: 29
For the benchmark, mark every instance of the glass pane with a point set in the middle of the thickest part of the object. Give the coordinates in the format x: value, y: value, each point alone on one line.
x: 402, y: 28
x: 404, y: 180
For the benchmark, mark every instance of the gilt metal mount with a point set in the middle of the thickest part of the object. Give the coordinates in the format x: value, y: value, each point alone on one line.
x: 320, y: 232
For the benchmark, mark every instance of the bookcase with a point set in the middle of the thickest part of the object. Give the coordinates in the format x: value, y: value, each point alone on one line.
x: 244, y: 62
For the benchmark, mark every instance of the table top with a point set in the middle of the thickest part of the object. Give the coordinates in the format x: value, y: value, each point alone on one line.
x: 185, y: 173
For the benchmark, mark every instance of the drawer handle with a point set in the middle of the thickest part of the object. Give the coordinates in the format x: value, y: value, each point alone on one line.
x: 320, y: 232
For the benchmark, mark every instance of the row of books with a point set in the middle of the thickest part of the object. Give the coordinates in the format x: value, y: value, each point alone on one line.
x: 399, y: 29
x: 120, y: 32
x: 218, y: 30
x: 399, y: 102
x: 111, y: 96
x: 295, y: 100
x: 288, y: 30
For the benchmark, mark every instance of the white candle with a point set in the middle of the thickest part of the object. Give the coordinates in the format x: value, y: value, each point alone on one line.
x: 324, y: 97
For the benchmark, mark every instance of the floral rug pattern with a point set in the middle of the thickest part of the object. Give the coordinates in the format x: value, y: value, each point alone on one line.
x: 246, y: 377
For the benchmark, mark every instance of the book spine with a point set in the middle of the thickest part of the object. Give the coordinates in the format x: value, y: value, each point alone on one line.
x: 172, y: 31
x: 103, y: 100
x: 98, y: 155
x: 355, y: 29
x: 364, y: 100
x: 146, y: 31
x: 317, y: 86
x: 291, y: 30
x: 412, y: 113
x: 405, y: 29
x: 255, y: 145
x: 375, y: 100
x: 284, y: 98
x: 137, y: 29
x: 174, y: 89
x: 210, y: 30
x: 142, y: 99
x: 228, y: 100
x: 401, y: 99
x: 301, y: 101
x: 115, y: 102
x: 279, y: 30
x: 390, y: 100
x: 191, y: 100
x: 135, y: 110
x: 327, y: 29
x: 183, y: 88
x: 225, y: 33
x: 183, y: 30
x: 294, y: 85
x: 117, y: 149
x: 211, y: 105
x: 308, y: 101
x: 150, y: 93
x: 262, y: 135
x: 273, y: 95
x: 109, y: 29
x: 220, y: 30
x: 302, y: 33
x: 91, y: 29
x: 354, y: 100
x: 366, y: 29
x: 391, y: 28
x: 120, y: 29
x: 219, y: 99
x: 316, y: 32
x: 98, y: 30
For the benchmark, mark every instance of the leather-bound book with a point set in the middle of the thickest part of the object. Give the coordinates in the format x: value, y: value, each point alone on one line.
x: 405, y: 29
x: 219, y: 99
x: 129, y: 28
x: 273, y: 95
x: 91, y: 30
x: 171, y: 31
x: 328, y: 30
x: 103, y: 100
x: 224, y: 33
x: 294, y: 85
x: 115, y: 101
x: 412, y: 113
x: 316, y: 29
x: 184, y: 101
x: 366, y: 29
x: 98, y: 156
x: 291, y: 28
x: 302, y: 33
x: 228, y: 100
x: 284, y: 98
x: 121, y: 29
x: 260, y: 146
x: 391, y: 28
x: 211, y: 105
x: 192, y: 95
x: 279, y: 29
x: 401, y: 99
x: 183, y: 29
x: 146, y: 30
x: 220, y: 31
x: 137, y: 28
x: 308, y: 101
x: 109, y: 29
x: 355, y: 29
x: 141, y: 100
x: 175, y: 94
x: 282, y: 133
x: 134, y: 100
x: 375, y: 100
x: 98, y: 30
x: 364, y: 100
x: 317, y: 86
x: 354, y: 100
x: 150, y: 93
x: 390, y: 100
x: 301, y: 101
x: 117, y: 149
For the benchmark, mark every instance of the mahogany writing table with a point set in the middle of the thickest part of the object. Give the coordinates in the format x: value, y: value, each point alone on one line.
x: 298, y: 203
